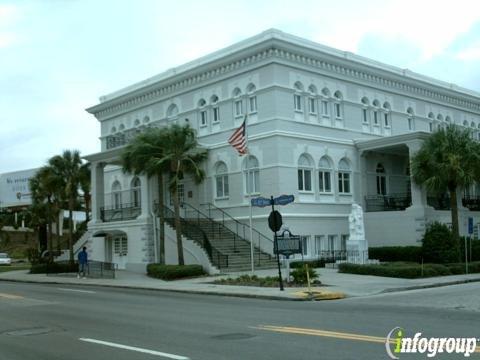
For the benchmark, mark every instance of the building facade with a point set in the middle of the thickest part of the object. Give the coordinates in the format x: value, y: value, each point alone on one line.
x: 330, y: 127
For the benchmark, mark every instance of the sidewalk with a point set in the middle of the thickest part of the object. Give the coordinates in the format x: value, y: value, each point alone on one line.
x: 334, y: 286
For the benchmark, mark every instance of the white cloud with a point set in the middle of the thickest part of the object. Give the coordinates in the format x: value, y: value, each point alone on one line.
x: 469, y: 54
x: 9, y: 15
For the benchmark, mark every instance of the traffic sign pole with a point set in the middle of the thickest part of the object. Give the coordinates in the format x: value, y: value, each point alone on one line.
x: 280, y: 280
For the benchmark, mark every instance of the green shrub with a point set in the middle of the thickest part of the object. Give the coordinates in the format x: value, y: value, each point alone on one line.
x: 474, y: 255
x: 439, y: 245
x: 396, y: 270
x: 319, y: 263
x: 34, y: 256
x: 396, y: 253
x: 53, y: 268
x: 172, y: 272
x: 299, y: 275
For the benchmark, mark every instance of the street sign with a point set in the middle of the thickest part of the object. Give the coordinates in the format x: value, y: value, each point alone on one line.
x: 283, y: 199
x: 470, y: 226
x: 275, y: 221
x: 261, y: 202
x: 288, y: 244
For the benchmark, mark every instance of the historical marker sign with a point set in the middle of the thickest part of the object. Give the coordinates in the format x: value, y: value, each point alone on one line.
x: 288, y: 244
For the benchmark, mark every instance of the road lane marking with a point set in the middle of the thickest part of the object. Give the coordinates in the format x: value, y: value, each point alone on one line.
x: 76, y: 290
x: 11, y: 296
x: 132, y: 348
x: 332, y: 334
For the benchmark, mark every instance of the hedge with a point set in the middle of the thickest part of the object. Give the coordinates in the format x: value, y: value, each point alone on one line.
x: 172, y: 272
x: 53, y: 268
x: 409, y: 270
x: 320, y: 263
x: 396, y: 253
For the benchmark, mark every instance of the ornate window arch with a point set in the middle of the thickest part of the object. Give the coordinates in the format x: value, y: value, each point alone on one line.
x: 252, y: 98
x: 325, y: 170
x: 202, y: 112
x: 325, y: 102
x: 221, y: 180
x: 312, y: 99
x: 135, y: 187
x: 297, y: 96
x: 305, y: 170
x: 338, y: 98
x: 116, y: 195
x: 251, y: 175
x: 344, y: 176
x: 410, y: 119
x: 237, y: 102
x: 172, y: 111
x: 215, y: 109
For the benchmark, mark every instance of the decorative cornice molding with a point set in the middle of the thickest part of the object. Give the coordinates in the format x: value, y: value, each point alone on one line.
x: 344, y: 67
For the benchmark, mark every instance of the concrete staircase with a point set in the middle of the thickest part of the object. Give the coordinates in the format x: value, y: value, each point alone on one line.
x: 65, y: 255
x: 224, y: 242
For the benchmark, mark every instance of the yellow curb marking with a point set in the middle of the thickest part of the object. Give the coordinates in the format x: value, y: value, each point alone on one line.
x: 332, y: 334
x: 10, y: 296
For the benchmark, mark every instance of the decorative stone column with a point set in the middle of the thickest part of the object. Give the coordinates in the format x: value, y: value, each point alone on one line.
x: 98, y: 191
x: 144, y: 196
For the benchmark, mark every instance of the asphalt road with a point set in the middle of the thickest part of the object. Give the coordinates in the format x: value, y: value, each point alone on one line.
x: 58, y: 322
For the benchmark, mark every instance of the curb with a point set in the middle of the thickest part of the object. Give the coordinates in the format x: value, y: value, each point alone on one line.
x: 428, y: 286
x: 184, y: 291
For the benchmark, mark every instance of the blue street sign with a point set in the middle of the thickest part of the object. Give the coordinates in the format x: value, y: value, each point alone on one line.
x: 283, y: 199
x: 261, y: 202
x: 470, y: 225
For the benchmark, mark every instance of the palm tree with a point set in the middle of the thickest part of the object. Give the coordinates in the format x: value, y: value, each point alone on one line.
x: 447, y: 161
x: 142, y: 156
x: 183, y: 157
x: 45, y: 187
x: 86, y: 188
x: 67, y: 166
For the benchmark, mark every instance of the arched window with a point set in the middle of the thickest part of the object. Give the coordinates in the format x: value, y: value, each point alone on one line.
x: 465, y: 123
x: 215, y: 109
x: 312, y: 99
x: 410, y: 121
x: 448, y: 120
x: 135, y: 191
x: 472, y: 125
x: 221, y: 180
x: 114, y: 130
x: 325, y: 103
x: 386, y: 114
x: 252, y: 99
x: 121, y: 127
x: 172, y: 111
x: 365, y: 104
x: 305, y: 169
x: 381, y: 180
x: 251, y: 175
x: 297, y: 97
x: 337, y: 105
x: 116, y: 195
x: 237, y: 102
x: 146, y: 119
x: 344, y: 175
x: 376, y: 120
x: 136, y: 122
x: 203, y: 117
x: 325, y: 175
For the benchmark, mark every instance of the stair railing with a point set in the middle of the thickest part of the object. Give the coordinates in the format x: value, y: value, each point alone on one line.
x: 237, y: 227
x: 196, y: 234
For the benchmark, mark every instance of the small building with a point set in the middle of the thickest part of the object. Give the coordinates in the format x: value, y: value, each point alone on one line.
x: 330, y: 127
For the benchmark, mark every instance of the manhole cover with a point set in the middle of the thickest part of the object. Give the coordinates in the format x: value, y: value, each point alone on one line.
x: 28, y: 332
x: 233, y: 336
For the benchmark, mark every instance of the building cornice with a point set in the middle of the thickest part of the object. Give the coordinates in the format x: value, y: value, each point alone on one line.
x: 275, y: 45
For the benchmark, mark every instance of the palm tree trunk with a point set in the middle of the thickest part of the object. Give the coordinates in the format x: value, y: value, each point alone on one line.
x: 454, y: 212
x: 50, y: 241
x: 178, y: 225
x: 86, y: 197
x: 161, y: 214
x: 70, y: 229
x: 58, y: 231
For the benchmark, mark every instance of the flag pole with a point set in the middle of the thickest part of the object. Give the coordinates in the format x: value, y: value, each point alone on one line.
x: 249, y: 197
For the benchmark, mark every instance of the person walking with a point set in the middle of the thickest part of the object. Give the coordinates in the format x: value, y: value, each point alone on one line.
x: 82, y: 262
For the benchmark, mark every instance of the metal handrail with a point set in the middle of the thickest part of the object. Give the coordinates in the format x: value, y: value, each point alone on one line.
x: 124, y: 211
x: 244, y: 227
x: 218, y: 258
x: 388, y: 202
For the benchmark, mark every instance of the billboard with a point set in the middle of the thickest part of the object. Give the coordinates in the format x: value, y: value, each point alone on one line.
x: 14, y: 189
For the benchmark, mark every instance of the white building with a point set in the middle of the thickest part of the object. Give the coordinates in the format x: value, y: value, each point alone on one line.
x: 330, y: 127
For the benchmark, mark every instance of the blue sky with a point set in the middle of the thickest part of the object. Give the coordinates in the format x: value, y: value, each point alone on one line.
x: 57, y: 57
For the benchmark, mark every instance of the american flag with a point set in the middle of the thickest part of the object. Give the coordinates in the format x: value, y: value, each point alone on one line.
x: 239, y: 140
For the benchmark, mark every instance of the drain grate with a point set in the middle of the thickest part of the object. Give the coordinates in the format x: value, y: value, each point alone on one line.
x: 29, y: 332
x: 233, y: 336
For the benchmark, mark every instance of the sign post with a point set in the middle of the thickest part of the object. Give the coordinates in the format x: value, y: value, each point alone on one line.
x: 470, y: 232
x: 288, y: 245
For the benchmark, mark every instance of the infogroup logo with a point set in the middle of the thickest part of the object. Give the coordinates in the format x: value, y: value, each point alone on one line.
x: 397, y: 343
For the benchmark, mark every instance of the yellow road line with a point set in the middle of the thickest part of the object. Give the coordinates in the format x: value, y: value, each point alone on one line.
x: 10, y: 296
x: 325, y: 333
